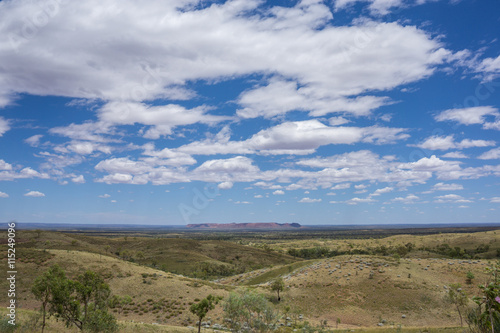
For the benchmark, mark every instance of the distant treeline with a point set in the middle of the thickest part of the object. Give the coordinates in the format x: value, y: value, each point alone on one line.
x: 399, y: 250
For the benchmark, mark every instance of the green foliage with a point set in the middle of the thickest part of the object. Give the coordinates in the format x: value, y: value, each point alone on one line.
x: 470, y: 276
x: 250, y: 311
x: 458, y: 298
x: 5, y: 326
x: 486, y: 317
x: 324, y: 252
x: 201, y: 309
x: 278, y: 285
x: 82, y: 302
x: 99, y: 320
x: 207, y: 270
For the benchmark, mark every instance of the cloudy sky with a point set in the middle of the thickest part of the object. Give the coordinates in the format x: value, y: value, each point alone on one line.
x: 188, y: 111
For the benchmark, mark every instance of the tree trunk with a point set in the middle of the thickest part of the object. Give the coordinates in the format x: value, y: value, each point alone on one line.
x: 199, y: 325
x: 43, y: 320
x: 279, y: 299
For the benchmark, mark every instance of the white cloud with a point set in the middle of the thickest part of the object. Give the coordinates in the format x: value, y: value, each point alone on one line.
x: 382, y: 191
x: 3, y: 195
x: 225, y: 185
x: 279, y: 192
x: 298, y: 137
x: 34, y: 140
x: 168, y: 156
x: 468, y: 116
x: 87, y: 148
x: 4, y: 126
x: 455, y: 154
x: 10, y: 174
x: 451, y: 198
x: 355, y: 201
x: 280, y: 97
x: 409, y: 199
x: 78, y: 180
x: 104, y: 196
x: 490, y: 67
x: 309, y: 200
x: 492, y: 154
x: 379, y: 7
x: 447, y: 187
x: 343, y: 186
x: 83, y: 53
x: 447, y: 142
x: 242, y: 202
x: 337, y: 121
x: 258, y: 196
x: 304, y: 137
x: 88, y: 131
x: 34, y: 194
x: 5, y: 166
x: 162, y: 119
x: 236, y: 164
x: 495, y: 200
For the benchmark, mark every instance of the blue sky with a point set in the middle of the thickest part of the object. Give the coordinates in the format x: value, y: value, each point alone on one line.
x: 186, y: 111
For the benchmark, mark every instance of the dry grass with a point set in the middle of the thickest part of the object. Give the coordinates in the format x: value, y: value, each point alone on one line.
x: 316, y: 288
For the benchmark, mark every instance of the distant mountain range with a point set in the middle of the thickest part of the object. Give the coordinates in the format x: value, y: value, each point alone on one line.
x: 270, y: 225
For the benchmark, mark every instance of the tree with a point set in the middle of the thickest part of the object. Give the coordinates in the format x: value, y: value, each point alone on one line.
x: 458, y: 298
x: 470, y: 276
x: 201, y: 308
x: 278, y: 285
x: 43, y: 286
x: 81, y: 302
x: 488, y: 318
x: 250, y: 311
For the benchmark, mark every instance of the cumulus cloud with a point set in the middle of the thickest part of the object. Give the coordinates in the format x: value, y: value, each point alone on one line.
x: 225, y: 185
x: 280, y: 97
x: 279, y: 192
x: 492, y: 154
x: 309, y: 200
x: 455, y: 154
x: 10, y: 173
x: 5, y: 166
x: 470, y: 116
x: 341, y: 186
x: 78, y: 180
x: 162, y: 119
x: 490, y: 67
x: 355, y: 201
x: 4, y: 126
x: 451, y: 198
x: 409, y: 199
x: 87, y: 148
x: 34, y: 194
x: 448, y: 142
x: 105, y: 196
x: 382, y: 191
x: 180, y: 43
x: 34, y: 140
x: 297, y: 137
x: 380, y: 7
x: 3, y: 195
x: 447, y: 187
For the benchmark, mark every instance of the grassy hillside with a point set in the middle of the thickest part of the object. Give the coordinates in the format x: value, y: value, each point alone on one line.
x: 423, y: 246
x: 360, y: 290
x: 200, y: 258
